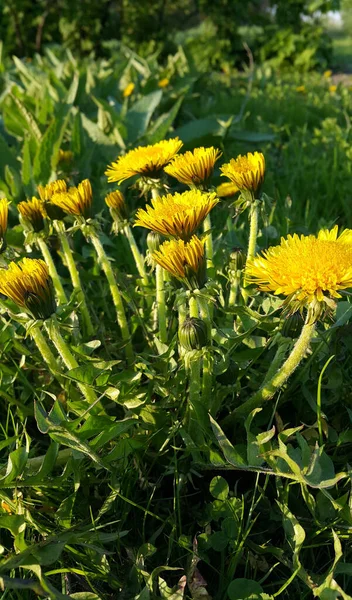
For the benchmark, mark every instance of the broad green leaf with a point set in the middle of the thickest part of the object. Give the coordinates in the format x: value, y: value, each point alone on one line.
x: 219, y: 488
x: 140, y: 113
x: 244, y: 589
x: 162, y: 125
x: 230, y: 452
x: 16, y: 463
x: 200, y: 130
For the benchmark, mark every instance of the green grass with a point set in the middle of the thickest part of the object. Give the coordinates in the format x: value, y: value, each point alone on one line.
x: 144, y: 496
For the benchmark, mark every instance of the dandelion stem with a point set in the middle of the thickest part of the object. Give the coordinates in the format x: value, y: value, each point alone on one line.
x: 194, y: 361
x: 115, y: 293
x: 253, y: 229
x: 160, y: 303
x: 59, y: 290
x: 52, y: 328
x: 75, y: 278
x: 209, y: 240
x: 43, y: 347
x: 136, y: 254
x: 207, y: 373
x: 268, y: 390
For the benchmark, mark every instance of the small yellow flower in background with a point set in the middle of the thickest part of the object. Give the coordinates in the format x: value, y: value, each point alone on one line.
x: 4, y: 214
x: 247, y: 172
x: 65, y: 156
x: 46, y: 192
x: 184, y: 260
x: 226, y: 190
x: 163, y: 82
x: 128, y: 90
x: 28, y: 284
x: 177, y: 215
x: 332, y: 89
x: 194, y: 168
x: 116, y: 202
x: 6, y: 507
x: 77, y: 200
x: 146, y: 161
x: 301, y: 89
x: 327, y: 74
x: 305, y: 268
x: 32, y: 213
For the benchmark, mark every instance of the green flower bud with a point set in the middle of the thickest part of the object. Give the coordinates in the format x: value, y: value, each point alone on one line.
x: 154, y: 240
x: 237, y: 259
x: 193, y: 334
x: 292, y: 326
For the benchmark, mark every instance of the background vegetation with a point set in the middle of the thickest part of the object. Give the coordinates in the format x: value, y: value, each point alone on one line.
x: 135, y: 507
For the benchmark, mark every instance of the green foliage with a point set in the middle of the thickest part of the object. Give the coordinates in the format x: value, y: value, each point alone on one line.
x: 143, y: 496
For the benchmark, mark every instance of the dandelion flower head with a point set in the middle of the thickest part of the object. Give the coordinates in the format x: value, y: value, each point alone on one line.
x: 177, y: 215
x: 194, y: 168
x: 247, y: 172
x: 145, y: 161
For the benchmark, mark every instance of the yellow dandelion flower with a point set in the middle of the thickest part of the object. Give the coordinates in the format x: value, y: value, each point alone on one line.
x: 46, y: 192
x: 4, y: 214
x: 116, y: 202
x: 77, y: 200
x: 28, y: 284
x: 194, y: 168
x: 247, y: 172
x: 226, y: 190
x: 301, y: 89
x: 177, y: 215
x: 129, y: 89
x: 163, y: 83
x: 33, y: 214
x: 327, y: 74
x: 183, y: 260
x: 146, y: 161
x: 332, y: 89
x: 305, y: 268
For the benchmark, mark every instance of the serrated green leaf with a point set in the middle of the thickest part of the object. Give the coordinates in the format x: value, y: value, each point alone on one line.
x: 140, y: 113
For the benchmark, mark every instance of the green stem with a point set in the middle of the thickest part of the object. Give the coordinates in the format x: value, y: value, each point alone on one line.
x: 207, y: 374
x: 43, y: 347
x: 139, y: 260
x: 270, y: 387
x: 234, y: 287
x: 182, y: 313
x: 194, y: 362
x: 59, y: 290
x: 115, y: 293
x: 69, y: 360
x: 253, y: 229
x: 160, y: 303
x: 75, y: 278
x: 209, y: 240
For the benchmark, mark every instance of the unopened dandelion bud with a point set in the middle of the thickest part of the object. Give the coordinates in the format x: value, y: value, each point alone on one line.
x: 32, y: 213
x: 154, y: 240
x: 76, y: 201
x: 193, y: 334
x: 117, y: 205
x: 184, y: 260
x: 292, y: 326
x: 194, y: 168
x: 237, y: 259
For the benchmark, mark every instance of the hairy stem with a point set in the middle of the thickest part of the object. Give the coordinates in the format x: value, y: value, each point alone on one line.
x: 160, y: 303
x: 75, y: 278
x: 59, y: 290
x: 270, y: 387
x: 139, y: 260
x: 115, y: 293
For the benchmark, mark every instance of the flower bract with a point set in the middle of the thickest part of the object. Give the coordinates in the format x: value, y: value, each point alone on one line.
x: 247, y: 172
x: 194, y: 168
x: 29, y: 285
x: 306, y: 269
x: 145, y: 161
x: 177, y: 215
x: 77, y: 200
x: 184, y: 260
